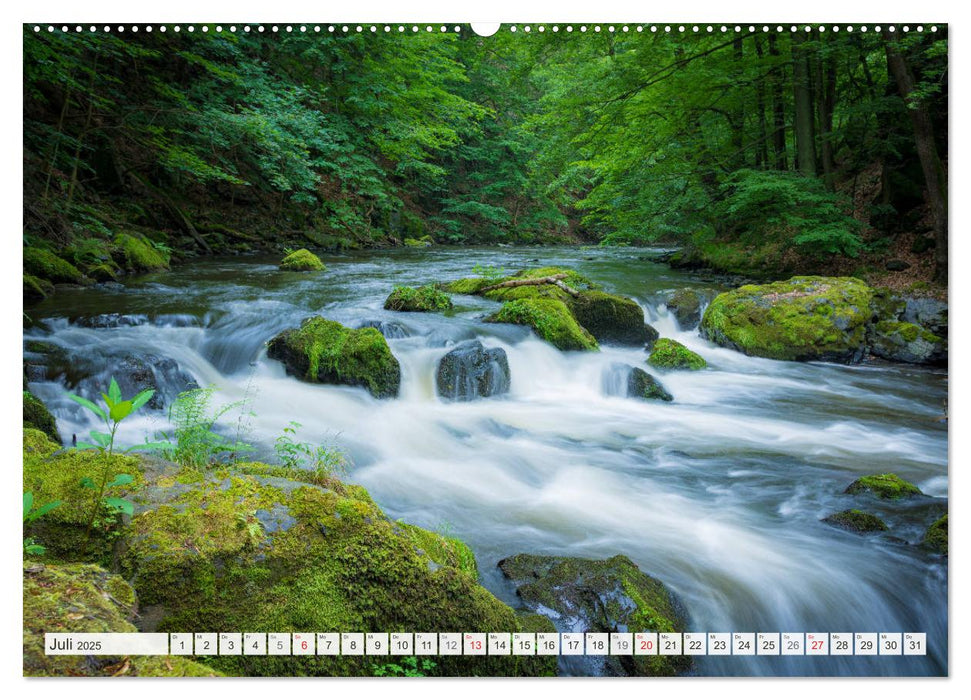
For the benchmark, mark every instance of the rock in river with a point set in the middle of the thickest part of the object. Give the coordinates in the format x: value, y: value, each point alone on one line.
x: 471, y: 371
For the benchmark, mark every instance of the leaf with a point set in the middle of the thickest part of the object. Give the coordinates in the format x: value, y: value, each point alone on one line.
x: 120, y: 410
x: 102, y: 439
x: 114, y: 391
x: 87, y: 483
x: 94, y: 408
x: 142, y: 398
x: 120, y: 505
x: 160, y: 446
x: 44, y: 509
x: 108, y: 402
x: 87, y: 446
x: 28, y: 503
x: 121, y: 480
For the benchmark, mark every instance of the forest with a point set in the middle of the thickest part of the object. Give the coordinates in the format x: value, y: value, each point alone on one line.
x: 754, y: 152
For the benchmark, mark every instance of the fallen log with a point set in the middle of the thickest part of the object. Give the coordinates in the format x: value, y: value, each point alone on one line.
x: 555, y: 280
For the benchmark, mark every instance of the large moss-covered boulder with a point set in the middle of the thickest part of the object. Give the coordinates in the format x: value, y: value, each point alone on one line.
x: 613, y: 595
x: 326, y: 352
x: 610, y: 318
x: 935, y: 539
x: 137, y: 253
x: 856, y: 521
x: 38, y: 417
x: 670, y: 354
x: 550, y: 319
x: 257, y: 550
x: 804, y: 318
x: 899, y: 341
x: 426, y: 298
x: 301, y: 260
x: 45, y: 265
x: 889, y: 486
x: 499, y: 292
x: 84, y: 598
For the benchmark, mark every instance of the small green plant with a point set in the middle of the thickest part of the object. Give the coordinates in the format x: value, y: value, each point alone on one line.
x: 408, y: 667
x: 193, y: 441
x: 31, y: 546
x: 489, y: 272
x: 251, y: 524
x: 305, y: 455
x: 115, y: 411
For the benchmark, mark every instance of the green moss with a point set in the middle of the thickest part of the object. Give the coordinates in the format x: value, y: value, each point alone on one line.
x: 888, y: 486
x: 935, y: 539
x: 805, y: 318
x: 36, y: 289
x: 609, y: 318
x: 856, y: 521
x: 302, y: 261
x: 468, y: 285
x: 138, y: 254
x: 83, y: 598
x: 327, y: 352
x: 426, y: 298
x: 52, y: 474
x: 550, y: 318
x: 670, y: 354
x: 322, y: 559
x: 601, y: 596
x: 45, y: 265
x: 37, y: 416
x: 422, y: 242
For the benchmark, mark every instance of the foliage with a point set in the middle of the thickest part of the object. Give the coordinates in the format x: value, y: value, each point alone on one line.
x: 115, y: 410
x: 304, y: 455
x: 32, y: 513
x: 426, y: 298
x: 407, y: 667
x: 194, y: 442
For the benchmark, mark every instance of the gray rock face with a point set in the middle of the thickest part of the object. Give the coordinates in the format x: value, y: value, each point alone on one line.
x: 392, y: 330
x: 907, y: 342
x: 927, y: 312
x: 633, y: 382
x: 471, y: 371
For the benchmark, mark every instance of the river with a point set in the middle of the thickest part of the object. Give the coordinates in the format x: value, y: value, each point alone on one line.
x: 719, y: 494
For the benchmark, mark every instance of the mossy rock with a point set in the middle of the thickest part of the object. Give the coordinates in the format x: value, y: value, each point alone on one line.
x: 55, y: 474
x: 426, y: 298
x: 935, y: 539
x: 45, y: 265
x: 36, y: 289
x: 610, y: 318
x: 898, y: 341
x: 888, y: 486
x: 642, y: 385
x: 232, y: 551
x: 856, y: 521
x: 468, y: 285
x: 475, y: 285
x: 613, y: 595
x: 804, y: 318
x: 423, y: 242
x: 302, y: 261
x: 550, y: 319
x: 84, y: 598
x: 328, y: 353
x: 670, y: 354
x: 685, y: 305
x: 138, y: 254
x: 38, y: 417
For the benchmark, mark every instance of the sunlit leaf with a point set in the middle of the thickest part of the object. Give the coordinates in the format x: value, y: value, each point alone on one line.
x: 120, y: 410
x: 94, y: 408
x: 142, y: 398
x: 121, y: 480
x: 120, y: 505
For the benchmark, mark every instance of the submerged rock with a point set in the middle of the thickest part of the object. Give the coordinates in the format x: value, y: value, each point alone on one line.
x: 888, y: 486
x: 670, y: 354
x: 392, y: 330
x: 136, y: 373
x: 613, y: 595
x: 426, y: 298
x: 37, y: 416
x: 805, y: 318
x: 302, y: 260
x: 471, y: 371
x: 326, y: 352
x: 633, y: 382
x: 84, y: 598
x: 686, y: 304
x: 935, y: 539
x: 856, y: 521
x: 899, y: 341
x: 550, y: 319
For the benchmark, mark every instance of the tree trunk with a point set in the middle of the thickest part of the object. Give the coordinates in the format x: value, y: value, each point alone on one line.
x: 825, y: 98
x: 930, y: 160
x: 778, y: 108
x: 762, y: 152
x: 738, y: 127
x: 805, y: 147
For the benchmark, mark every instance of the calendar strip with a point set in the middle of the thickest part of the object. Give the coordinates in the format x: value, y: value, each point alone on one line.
x: 488, y: 644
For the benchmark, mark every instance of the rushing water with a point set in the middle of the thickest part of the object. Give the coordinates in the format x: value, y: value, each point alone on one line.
x: 719, y: 494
